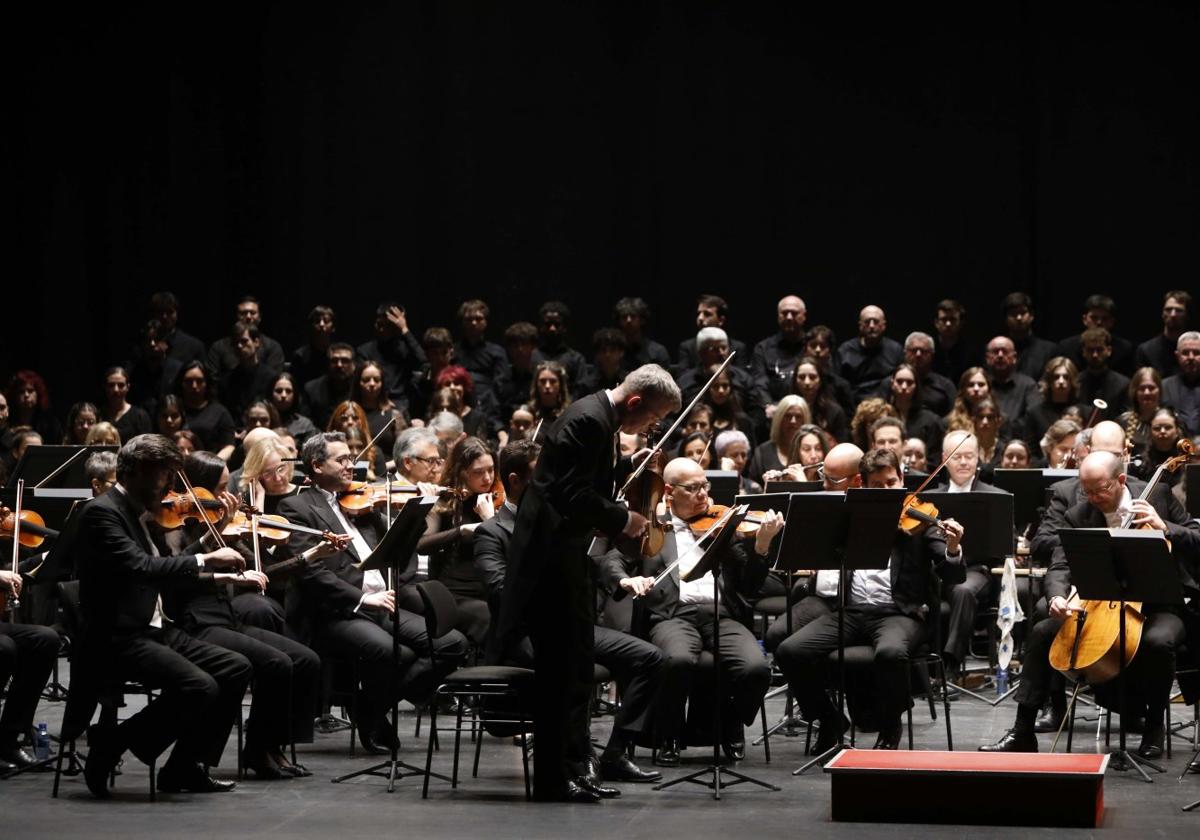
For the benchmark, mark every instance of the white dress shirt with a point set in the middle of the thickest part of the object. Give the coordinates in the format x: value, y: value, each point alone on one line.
x: 1124, y: 508
x: 697, y: 591
x: 372, y: 579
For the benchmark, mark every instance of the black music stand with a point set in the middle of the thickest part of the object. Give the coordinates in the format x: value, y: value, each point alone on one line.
x: 392, y: 554
x: 1191, y: 477
x: 781, y: 486
x: 1029, y: 489
x: 843, y: 531
x: 724, y: 485
x: 1119, y: 564
x: 711, y: 562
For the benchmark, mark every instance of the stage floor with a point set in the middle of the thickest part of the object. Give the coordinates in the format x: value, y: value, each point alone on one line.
x: 493, y: 807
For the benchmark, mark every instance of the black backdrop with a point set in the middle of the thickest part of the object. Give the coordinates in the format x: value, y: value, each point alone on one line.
x: 345, y: 153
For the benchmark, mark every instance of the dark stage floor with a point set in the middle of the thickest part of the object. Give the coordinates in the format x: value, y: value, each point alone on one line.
x: 492, y: 806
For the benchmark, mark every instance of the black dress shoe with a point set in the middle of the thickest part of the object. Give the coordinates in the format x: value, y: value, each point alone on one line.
x: 829, y: 734
x: 1152, y: 742
x: 1049, y: 720
x: 734, y: 750
x: 569, y: 792
x: 668, y: 753
x: 380, y: 741
x: 18, y: 757
x: 192, y: 778
x: 622, y: 769
x: 889, y: 736
x: 597, y: 787
x: 102, y: 757
x: 1013, y: 741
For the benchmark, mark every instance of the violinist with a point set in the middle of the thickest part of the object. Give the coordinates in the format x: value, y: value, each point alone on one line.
x: 1058, y: 444
x: 885, y: 609
x: 27, y: 655
x: 1110, y: 497
x: 349, y: 611
x: 682, y: 618
x: 286, y: 673
x: 122, y: 576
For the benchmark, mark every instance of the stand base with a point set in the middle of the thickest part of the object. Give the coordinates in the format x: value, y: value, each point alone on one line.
x: 715, y: 783
x: 1122, y: 760
x: 390, y: 770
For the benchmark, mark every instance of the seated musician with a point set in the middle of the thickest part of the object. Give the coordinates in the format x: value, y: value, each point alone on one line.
x: 27, y: 654
x: 633, y: 662
x: 681, y: 614
x: 286, y: 673
x: 122, y: 576
x: 885, y: 608
x: 1110, y: 497
x: 349, y: 611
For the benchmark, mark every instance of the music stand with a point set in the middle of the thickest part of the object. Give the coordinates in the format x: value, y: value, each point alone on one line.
x: 1191, y: 477
x: 794, y: 486
x: 1118, y: 564
x: 843, y: 531
x: 1029, y: 489
x: 55, y: 477
x: 724, y: 485
x: 393, y: 551
x: 711, y: 562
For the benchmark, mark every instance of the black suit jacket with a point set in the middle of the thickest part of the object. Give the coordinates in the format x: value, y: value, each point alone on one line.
x: 491, y: 552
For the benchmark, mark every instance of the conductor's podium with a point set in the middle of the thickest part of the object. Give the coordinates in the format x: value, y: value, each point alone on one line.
x: 968, y: 787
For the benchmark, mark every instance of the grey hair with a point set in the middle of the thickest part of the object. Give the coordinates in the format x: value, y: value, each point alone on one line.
x: 711, y: 334
x: 728, y: 437
x: 446, y: 421
x: 410, y: 440
x: 316, y: 448
x: 654, y: 383
x: 1190, y: 335
x: 918, y: 336
x: 99, y: 465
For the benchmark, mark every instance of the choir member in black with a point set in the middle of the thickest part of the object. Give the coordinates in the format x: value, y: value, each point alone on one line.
x: 1159, y: 352
x: 286, y: 673
x: 130, y: 420
x: 885, y: 608
x: 905, y: 395
x: 1017, y: 455
x: 550, y: 392
x: 520, y: 343
x: 309, y: 359
x: 350, y: 419
x: 712, y: 349
x: 448, y: 541
x: 349, y: 612
x: 607, y: 367
x: 169, y: 418
x: 251, y: 377
x: 775, y: 452
x: 1059, y: 389
x: 814, y: 385
x: 865, y: 360
x: 1097, y: 378
x: 914, y: 455
x: 520, y: 426
x: 477, y: 409
x: 725, y: 407
x: 937, y: 391
x: 1165, y: 433
x: 485, y: 360
x: 697, y: 447
x: 711, y: 311
x: 682, y: 617
x: 1014, y: 392
x: 553, y: 318
x: 1032, y: 351
x: 103, y: 434
x: 124, y: 575
x: 384, y: 417
x: 775, y: 358
x: 153, y: 373
x: 224, y: 356
x: 438, y: 347
x: 180, y: 346
x: 889, y: 433
x: 186, y: 441
x: 6, y: 432
x: 208, y: 419
x: 819, y: 345
x: 632, y: 315
x: 548, y: 591
x: 1182, y: 390
x: 1145, y: 398
x: 285, y: 396
x: 29, y: 405
x: 27, y: 654
x: 1099, y: 313
x: 1109, y: 498
x: 396, y: 348
x: 954, y: 353
x: 633, y: 662
x: 333, y: 386
x: 80, y: 419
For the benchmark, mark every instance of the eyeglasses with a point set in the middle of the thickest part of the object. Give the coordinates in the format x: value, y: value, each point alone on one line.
x: 836, y: 482
x: 433, y: 462
x: 695, y: 488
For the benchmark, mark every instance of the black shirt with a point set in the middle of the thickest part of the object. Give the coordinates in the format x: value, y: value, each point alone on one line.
x: 135, y: 421
x: 399, y: 357
x: 486, y: 362
x: 571, y: 359
x: 223, y: 355
x: 774, y: 363
x: 866, y: 367
x: 1159, y: 353
x: 212, y: 424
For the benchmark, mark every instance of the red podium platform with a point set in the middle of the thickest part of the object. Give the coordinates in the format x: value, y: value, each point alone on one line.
x: 968, y: 787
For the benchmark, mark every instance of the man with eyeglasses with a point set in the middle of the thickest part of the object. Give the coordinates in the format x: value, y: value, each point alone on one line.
x: 1182, y: 391
x: 682, y: 617
x: 1110, y: 500
x: 937, y: 392
x: 1015, y: 392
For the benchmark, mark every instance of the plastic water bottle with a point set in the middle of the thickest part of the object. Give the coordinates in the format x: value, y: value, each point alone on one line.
x: 41, y: 742
x: 1001, y: 680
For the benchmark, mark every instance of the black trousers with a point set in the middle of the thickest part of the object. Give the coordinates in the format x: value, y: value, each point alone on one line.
x: 808, y: 608
x: 201, y: 688
x: 287, y: 679
x: 804, y: 656
x: 255, y: 610
x: 27, y: 654
x: 964, y: 599
x: 745, y: 676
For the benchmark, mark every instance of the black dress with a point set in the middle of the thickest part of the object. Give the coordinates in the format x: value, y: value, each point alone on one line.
x: 452, y: 561
x: 132, y: 423
x: 213, y: 424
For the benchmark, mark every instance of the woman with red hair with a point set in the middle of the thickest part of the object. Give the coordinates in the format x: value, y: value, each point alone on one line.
x: 29, y: 405
x: 476, y: 421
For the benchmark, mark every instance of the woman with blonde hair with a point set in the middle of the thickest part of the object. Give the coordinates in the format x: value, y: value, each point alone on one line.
x: 102, y: 434
x: 791, y: 413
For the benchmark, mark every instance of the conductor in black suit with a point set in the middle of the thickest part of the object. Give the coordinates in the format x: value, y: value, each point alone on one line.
x: 548, y: 588
x: 123, y: 573
x: 348, y: 612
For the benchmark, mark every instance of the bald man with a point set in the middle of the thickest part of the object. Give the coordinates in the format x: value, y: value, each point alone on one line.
x: 1015, y: 393
x: 681, y: 613
x: 1110, y: 500
x: 866, y: 360
x: 775, y: 357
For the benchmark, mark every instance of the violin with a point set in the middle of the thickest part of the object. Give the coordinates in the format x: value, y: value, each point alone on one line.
x: 706, y: 521
x: 32, y: 532
x: 177, y: 509
x: 274, y: 529
x: 915, y: 514
x: 363, y: 497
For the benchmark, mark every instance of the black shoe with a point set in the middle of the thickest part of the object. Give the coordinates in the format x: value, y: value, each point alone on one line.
x: 18, y: 757
x: 1194, y: 766
x: 597, y: 787
x: 668, y: 753
x: 952, y: 692
x: 265, y: 769
x: 1013, y: 741
x: 890, y: 735
x: 831, y: 731
x: 192, y: 778
x: 1049, y: 720
x: 1152, y: 742
x: 103, y: 755
x: 569, y: 792
x: 380, y: 741
x: 622, y: 769
x: 734, y: 750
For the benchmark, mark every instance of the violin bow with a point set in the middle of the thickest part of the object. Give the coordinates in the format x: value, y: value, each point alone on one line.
x: 375, y: 439
x: 945, y: 461
x: 15, y: 601
x: 678, y: 421
x: 212, y: 532
x: 713, y: 531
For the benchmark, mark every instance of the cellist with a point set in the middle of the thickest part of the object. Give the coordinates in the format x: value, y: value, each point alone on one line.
x: 1110, y: 498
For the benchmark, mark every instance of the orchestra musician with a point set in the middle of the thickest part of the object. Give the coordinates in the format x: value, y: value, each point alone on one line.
x: 27, y: 654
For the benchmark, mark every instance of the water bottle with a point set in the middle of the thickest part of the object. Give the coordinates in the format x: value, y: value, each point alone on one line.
x: 1001, y: 680
x: 41, y: 742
